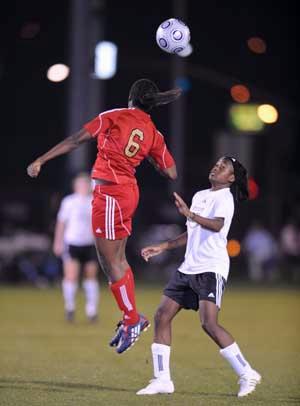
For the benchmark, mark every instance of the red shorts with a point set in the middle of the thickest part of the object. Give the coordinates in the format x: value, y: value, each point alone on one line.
x: 113, y: 209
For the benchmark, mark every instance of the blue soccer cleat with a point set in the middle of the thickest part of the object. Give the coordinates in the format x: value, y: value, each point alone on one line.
x: 131, y: 333
x: 116, y: 338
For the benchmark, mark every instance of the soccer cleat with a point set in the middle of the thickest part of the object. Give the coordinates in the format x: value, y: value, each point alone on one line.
x: 93, y: 319
x: 69, y: 315
x: 157, y: 386
x: 129, y: 334
x: 116, y: 338
x: 248, y: 383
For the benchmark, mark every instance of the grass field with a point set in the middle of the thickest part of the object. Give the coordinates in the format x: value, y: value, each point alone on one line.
x: 45, y: 361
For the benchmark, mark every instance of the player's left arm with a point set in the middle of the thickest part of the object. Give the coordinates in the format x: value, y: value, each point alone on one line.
x: 170, y: 173
x: 67, y: 145
x: 214, y: 224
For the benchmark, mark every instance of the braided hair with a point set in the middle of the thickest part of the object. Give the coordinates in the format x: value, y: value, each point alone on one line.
x: 145, y: 95
x: 239, y: 188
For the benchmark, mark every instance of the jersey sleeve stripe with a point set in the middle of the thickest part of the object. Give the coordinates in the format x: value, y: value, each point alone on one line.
x: 163, y: 156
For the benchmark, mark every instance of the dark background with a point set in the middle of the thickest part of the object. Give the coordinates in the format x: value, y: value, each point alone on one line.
x: 35, y: 110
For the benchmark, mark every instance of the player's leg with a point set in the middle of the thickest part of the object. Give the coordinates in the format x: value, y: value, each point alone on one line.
x: 161, y: 348
x: 111, y: 254
x: 209, y: 310
x: 177, y: 295
x: 91, y: 289
x: 209, y: 321
x: 113, y: 209
x: 71, y: 268
x: 113, y: 260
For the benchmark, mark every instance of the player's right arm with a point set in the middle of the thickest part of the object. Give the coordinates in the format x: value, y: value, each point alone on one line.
x: 156, y: 249
x: 67, y: 145
x: 161, y: 158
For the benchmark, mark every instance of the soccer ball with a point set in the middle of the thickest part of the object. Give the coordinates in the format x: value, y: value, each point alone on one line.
x: 173, y: 36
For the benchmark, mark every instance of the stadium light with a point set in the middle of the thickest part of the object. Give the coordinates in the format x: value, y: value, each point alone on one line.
x: 257, y: 45
x: 253, y: 189
x: 267, y: 113
x: 244, y: 117
x: 105, y: 60
x: 58, y: 72
x: 240, y: 93
x: 233, y: 248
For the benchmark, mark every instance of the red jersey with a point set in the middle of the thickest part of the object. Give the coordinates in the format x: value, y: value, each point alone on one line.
x: 125, y: 137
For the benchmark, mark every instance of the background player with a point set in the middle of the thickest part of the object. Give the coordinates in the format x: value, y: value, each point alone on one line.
x: 74, y: 242
x: 125, y: 137
x: 199, y: 282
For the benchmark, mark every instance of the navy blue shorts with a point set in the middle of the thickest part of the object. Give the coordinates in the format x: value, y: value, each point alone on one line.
x: 187, y: 290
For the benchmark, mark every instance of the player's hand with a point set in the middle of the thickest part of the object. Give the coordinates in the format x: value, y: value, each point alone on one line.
x: 152, y: 251
x: 181, y: 205
x: 34, y: 168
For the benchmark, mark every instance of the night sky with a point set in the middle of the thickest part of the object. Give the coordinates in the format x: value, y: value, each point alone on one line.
x: 36, y: 118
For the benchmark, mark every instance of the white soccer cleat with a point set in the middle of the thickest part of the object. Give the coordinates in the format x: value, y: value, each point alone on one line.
x: 157, y: 386
x: 248, y: 383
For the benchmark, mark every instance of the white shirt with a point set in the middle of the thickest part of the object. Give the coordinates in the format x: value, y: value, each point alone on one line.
x: 76, y: 212
x: 206, y: 250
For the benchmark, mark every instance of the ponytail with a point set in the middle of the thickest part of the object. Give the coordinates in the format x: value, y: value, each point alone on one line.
x: 239, y: 188
x: 145, y: 95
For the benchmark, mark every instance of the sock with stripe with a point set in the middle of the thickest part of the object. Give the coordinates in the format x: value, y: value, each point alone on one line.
x: 233, y: 355
x: 124, y: 293
x: 161, y: 361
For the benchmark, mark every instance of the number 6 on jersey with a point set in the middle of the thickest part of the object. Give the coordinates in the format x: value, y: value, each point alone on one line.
x: 132, y: 147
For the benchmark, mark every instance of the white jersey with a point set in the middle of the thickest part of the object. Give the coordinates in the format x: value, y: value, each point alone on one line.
x: 206, y: 250
x: 76, y: 213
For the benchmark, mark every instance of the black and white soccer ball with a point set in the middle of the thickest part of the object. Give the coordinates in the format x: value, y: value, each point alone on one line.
x: 173, y: 36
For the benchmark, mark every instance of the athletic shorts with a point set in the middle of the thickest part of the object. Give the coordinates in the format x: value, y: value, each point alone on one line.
x: 113, y: 209
x: 187, y: 290
x: 82, y: 254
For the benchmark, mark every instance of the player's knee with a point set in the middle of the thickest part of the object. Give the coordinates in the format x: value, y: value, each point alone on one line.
x: 209, y: 326
x: 70, y: 277
x: 118, y: 265
x: 161, y: 316
x: 90, y: 270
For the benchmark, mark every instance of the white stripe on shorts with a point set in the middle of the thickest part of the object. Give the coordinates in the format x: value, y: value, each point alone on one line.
x: 219, y: 289
x: 110, y: 218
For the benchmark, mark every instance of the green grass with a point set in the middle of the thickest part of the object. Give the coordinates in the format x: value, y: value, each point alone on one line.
x: 45, y: 361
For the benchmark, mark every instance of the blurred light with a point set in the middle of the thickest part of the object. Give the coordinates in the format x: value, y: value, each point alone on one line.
x: 257, y: 45
x: 233, y: 248
x: 29, y: 30
x: 105, y: 60
x: 253, y: 189
x: 267, y: 113
x: 244, y: 117
x: 58, y: 72
x: 186, y: 51
x: 240, y: 93
x: 183, y: 82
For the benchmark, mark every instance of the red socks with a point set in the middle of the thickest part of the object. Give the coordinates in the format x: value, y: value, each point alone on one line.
x: 124, y: 293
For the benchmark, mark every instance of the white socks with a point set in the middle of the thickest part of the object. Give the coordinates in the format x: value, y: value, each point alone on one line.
x: 161, y: 361
x: 69, y: 289
x: 91, y: 290
x: 236, y: 359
